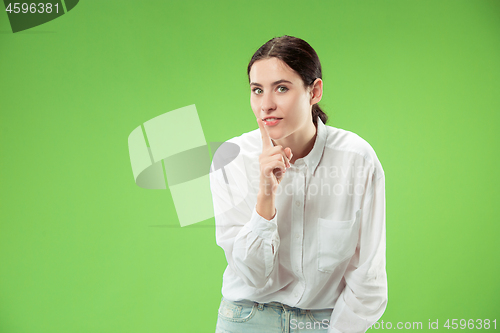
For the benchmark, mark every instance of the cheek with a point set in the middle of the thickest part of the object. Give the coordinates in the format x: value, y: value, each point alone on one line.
x: 254, y: 107
x: 252, y: 104
x: 302, y: 104
x: 303, y: 100
x: 298, y: 107
x: 288, y: 102
x: 294, y: 103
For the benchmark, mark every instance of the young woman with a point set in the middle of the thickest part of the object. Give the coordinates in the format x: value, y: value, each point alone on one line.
x: 299, y: 208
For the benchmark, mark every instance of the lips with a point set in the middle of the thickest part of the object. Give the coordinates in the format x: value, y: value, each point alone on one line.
x: 271, y: 121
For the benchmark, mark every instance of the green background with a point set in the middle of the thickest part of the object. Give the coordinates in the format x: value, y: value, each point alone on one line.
x: 84, y: 249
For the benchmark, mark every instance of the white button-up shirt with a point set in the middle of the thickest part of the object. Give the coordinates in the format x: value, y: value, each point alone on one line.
x: 325, y: 247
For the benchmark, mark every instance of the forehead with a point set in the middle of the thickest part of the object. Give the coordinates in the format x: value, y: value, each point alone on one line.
x: 271, y: 70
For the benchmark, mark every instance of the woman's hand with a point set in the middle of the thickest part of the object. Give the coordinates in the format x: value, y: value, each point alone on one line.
x: 274, y: 160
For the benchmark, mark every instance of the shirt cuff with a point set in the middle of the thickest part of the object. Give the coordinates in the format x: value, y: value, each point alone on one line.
x: 261, y: 226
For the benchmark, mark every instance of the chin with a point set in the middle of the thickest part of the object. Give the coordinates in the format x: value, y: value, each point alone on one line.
x: 276, y: 136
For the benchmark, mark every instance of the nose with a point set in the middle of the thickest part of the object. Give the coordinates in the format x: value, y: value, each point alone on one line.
x: 267, y: 102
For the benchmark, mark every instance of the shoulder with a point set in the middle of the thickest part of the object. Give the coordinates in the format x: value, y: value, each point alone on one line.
x: 347, y: 141
x: 248, y: 144
x: 239, y: 150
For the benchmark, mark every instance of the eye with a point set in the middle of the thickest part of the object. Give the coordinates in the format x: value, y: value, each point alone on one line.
x: 282, y: 89
x: 257, y: 91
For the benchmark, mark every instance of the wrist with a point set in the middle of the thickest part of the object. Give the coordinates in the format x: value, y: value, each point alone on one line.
x: 265, y: 206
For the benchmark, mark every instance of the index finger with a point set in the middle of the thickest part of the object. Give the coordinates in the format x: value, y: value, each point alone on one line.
x: 266, y: 140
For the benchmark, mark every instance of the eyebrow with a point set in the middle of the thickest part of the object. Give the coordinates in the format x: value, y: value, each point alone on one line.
x: 273, y: 84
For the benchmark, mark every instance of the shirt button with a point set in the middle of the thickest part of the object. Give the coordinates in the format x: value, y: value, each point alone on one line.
x: 297, y: 203
x: 297, y: 235
x: 296, y: 295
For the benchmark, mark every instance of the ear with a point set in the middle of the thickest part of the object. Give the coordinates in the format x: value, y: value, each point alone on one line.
x: 316, y: 91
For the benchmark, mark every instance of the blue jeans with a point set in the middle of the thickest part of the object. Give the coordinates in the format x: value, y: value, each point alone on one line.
x: 248, y: 317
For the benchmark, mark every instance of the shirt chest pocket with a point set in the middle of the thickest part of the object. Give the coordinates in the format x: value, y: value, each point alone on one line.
x: 337, y: 241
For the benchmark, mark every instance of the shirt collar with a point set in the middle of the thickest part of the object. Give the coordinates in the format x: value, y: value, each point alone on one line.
x: 314, y: 157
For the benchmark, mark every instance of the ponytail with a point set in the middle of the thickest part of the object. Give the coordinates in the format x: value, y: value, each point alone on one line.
x: 317, y: 112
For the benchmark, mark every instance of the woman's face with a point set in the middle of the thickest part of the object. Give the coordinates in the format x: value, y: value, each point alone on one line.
x: 278, y: 91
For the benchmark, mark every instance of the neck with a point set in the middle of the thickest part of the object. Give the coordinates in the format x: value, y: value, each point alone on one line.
x: 301, y: 143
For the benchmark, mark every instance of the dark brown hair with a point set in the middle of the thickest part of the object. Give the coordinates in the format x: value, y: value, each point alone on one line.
x: 300, y: 57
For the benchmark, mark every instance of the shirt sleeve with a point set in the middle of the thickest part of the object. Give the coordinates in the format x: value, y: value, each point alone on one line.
x: 364, y: 298
x: 250, y: 242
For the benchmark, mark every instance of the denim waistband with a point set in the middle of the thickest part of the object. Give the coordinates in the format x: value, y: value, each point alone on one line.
x: 277, y: 305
